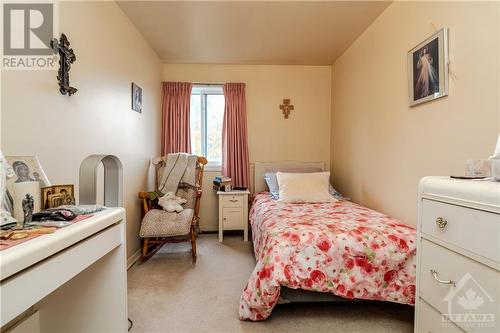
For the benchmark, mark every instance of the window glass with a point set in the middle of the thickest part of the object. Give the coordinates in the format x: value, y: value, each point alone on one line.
x: 195, y: 124
x: 206, y: 115
x: 215, y: 114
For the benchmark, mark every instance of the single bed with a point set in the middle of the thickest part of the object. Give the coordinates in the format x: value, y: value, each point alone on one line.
x: 338, y: 248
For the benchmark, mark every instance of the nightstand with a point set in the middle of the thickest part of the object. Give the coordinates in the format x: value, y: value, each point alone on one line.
x: 233, y: 212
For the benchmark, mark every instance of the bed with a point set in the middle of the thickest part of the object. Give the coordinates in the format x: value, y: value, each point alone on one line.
x: 338, y: 248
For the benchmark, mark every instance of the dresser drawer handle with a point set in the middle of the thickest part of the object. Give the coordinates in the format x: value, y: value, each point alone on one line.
x: 441, y: 222
x: 435, y: 273
x: 233, y: 200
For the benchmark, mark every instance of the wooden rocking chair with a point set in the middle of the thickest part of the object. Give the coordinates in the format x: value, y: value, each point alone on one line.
x: 159, y: 227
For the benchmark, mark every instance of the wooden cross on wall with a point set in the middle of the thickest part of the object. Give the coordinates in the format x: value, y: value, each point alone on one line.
x: 286, y: 107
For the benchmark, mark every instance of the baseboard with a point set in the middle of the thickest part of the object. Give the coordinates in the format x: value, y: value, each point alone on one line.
x: 209, y: 231
x: 133, y: 258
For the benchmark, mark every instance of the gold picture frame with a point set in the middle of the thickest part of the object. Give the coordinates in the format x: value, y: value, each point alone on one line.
x: 57, y: 195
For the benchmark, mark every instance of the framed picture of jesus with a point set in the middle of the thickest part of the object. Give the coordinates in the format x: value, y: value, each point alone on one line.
x: 428, y: 69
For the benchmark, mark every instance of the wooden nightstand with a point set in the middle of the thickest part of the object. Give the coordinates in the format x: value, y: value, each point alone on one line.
x: 233, y: 212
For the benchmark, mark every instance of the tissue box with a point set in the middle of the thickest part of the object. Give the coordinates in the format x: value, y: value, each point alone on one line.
x: 478, y: 168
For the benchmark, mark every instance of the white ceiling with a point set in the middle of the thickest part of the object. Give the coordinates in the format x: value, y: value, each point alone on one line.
x: 253, y: 32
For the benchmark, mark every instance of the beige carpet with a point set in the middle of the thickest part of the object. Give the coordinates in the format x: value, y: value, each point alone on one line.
x: 169, y: 294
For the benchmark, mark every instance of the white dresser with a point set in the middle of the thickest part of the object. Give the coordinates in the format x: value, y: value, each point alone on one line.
x: 73, y: 280
x: 233, y: 212
x: 458, y: 269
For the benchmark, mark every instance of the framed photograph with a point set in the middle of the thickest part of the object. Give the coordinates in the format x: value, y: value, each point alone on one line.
x: 428, y: 69
x: 26, y: 169
x: 136, y: 98
x: 57, y: 195
x: 44, y: 197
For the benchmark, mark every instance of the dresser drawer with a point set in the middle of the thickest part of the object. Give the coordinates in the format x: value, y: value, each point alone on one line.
x: 473, y: 230
x: 431, y: 321
x: 232, y: 218
x: 232, y: 201
x: 468, y: 275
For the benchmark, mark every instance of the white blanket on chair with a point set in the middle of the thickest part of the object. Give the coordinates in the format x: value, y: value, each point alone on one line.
x: 179, y: 168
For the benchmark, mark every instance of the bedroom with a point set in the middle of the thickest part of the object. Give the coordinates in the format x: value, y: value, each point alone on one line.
x: 343, y: 66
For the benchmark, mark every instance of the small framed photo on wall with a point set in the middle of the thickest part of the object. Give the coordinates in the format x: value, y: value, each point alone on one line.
x: 428, y: 69
x: 136, y: 98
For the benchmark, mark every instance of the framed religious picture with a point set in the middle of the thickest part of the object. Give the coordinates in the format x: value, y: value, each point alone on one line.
x: 66, y: 193
x: 428, y: 69
x: 136, y: 98
x: 44, y: 196
x: 57, y: 195
x: 26, y: 169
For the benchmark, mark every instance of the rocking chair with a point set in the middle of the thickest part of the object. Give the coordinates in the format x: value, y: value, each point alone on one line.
x: 159, y: 227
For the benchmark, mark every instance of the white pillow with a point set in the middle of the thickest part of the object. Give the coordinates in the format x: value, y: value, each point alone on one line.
x: 304, y: 187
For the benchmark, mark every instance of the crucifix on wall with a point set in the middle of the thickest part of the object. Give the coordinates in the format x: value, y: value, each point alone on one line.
x: 66, y: 58
x: 286, y: 107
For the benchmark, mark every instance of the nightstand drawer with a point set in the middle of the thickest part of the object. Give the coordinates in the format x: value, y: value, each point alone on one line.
x: 466, y: 274
x: 460, y: 226
x: 232, y: 201
x: 232, y: 218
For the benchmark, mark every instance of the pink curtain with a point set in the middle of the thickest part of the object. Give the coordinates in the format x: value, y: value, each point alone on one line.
x: 234, y: 135
x: 175, y: 130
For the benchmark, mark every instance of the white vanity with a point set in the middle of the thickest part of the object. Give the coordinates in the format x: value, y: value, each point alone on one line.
x: 458, y: 270
x: 73, y: 280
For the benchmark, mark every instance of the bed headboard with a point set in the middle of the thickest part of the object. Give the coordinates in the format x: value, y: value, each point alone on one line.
x: 260, y: 168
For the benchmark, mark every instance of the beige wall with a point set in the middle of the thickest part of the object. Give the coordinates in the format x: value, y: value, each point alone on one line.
x: 305, y: 136
x: 380, y: 146
x: 62, y: 130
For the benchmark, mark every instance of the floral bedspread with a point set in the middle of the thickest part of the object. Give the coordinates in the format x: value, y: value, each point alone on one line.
x: 339, y: 247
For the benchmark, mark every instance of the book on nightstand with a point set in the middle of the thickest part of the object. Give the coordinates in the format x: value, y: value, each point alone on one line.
x: 222, y: 179
x: 222, y: 183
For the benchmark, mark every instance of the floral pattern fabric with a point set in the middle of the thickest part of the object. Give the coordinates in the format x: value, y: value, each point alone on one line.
x: 338, y: 247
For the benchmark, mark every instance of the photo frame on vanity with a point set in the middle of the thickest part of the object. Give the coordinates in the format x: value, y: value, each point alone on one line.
x: 57, y: 195
x: 428, y: 69
x: 26, y: 169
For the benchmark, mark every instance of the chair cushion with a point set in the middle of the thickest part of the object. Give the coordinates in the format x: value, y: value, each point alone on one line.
x: 160, y: 223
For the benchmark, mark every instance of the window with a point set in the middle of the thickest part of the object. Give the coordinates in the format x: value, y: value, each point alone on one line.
x: 207, y: 112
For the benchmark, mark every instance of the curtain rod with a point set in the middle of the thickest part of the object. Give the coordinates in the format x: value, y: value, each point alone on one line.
x: 207, y: 84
